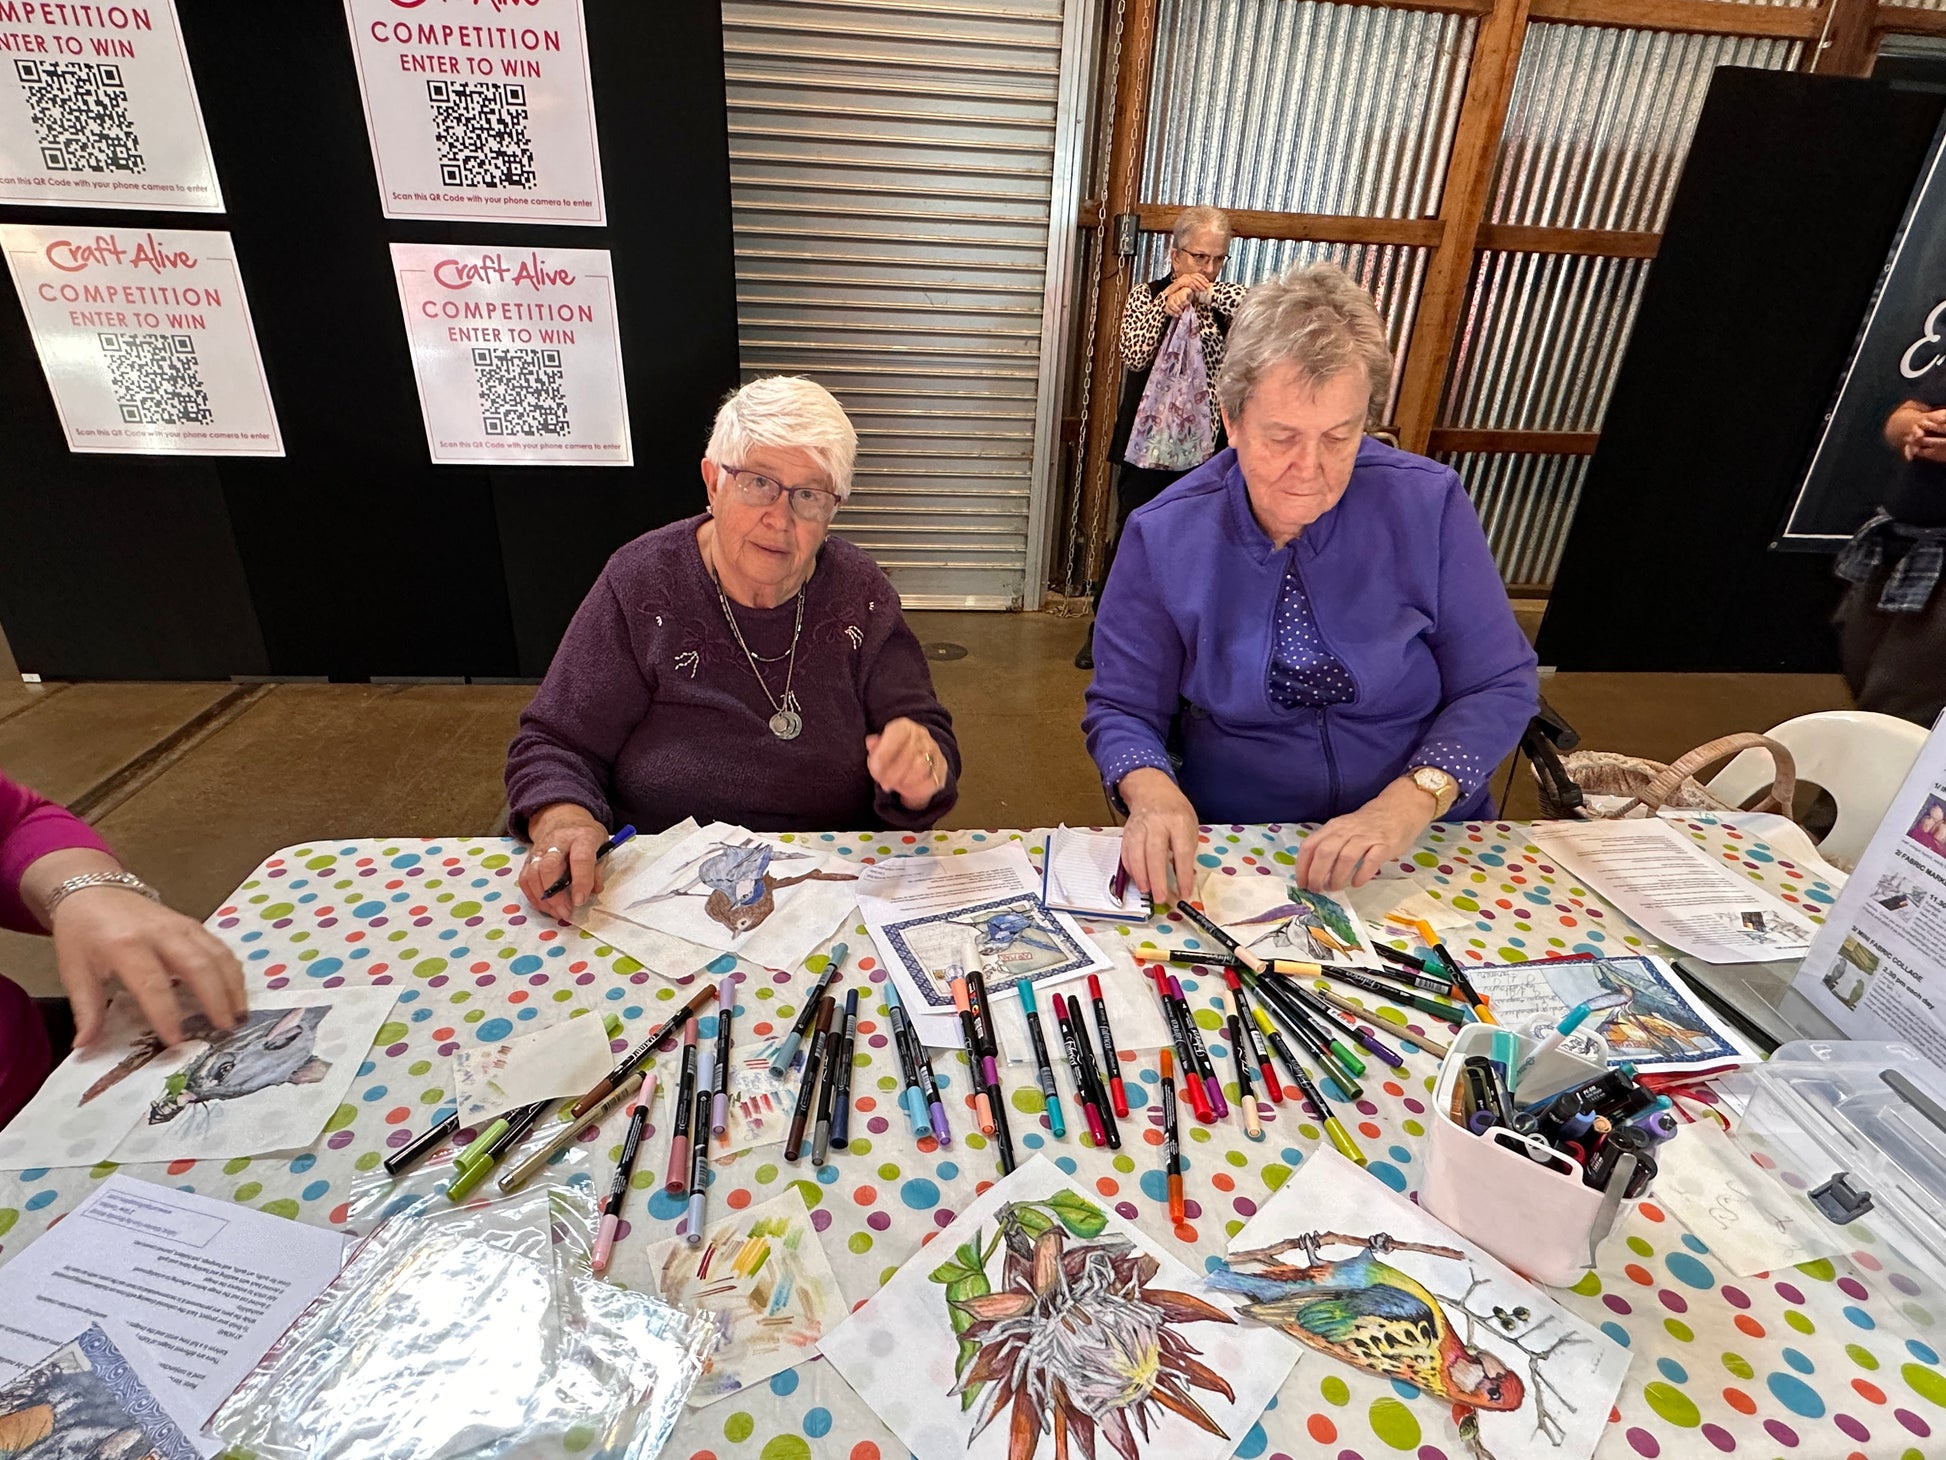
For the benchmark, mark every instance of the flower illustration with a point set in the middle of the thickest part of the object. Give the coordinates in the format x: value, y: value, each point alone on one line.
x: 1074, y: 1340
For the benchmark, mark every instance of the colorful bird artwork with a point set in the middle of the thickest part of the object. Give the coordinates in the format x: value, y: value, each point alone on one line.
x: 1314, y: 925
x: 742, y: 889
x: 1377, y: 1317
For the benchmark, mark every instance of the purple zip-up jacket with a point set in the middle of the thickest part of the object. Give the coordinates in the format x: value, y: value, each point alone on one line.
x: 1406, y: 597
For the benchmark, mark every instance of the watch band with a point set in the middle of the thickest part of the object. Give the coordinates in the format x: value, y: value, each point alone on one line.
x: 127, y: 881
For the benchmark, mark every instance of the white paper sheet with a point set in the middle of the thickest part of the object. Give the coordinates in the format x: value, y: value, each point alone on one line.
x: 268, y: 1085
x: 903, y: 888
x: 1669, y: 885
x: 1748, y: 1221
x: 899, y: 1349
x: 763, y: 898
x: 564, y: 1058
x: 1581, y: 1368
x: 760, y: 1276
x: 206, y: 1286
x: 1081, y: 868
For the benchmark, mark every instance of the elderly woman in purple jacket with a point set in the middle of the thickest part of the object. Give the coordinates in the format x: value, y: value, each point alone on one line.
x: 1308, y: 627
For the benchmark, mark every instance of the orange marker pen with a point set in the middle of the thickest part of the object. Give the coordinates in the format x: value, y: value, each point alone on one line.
x: 1171, y: 1139
x: 963, y: 1002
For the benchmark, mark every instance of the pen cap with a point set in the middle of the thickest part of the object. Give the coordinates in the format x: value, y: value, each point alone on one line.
x: 915, y: 1108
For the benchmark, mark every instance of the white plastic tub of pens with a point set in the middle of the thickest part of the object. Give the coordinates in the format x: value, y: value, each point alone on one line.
x: 1523, y: 1200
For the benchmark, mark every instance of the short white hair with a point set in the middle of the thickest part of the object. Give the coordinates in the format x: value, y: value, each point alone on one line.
x: 786, y: 411
x: 1192, y: 221
x: 1315, y: 318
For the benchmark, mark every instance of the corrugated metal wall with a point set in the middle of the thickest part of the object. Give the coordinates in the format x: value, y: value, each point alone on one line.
x: 892, y: 168
x: 1596, y: 134
x: 1294, y: 106
x: 1298, y: 107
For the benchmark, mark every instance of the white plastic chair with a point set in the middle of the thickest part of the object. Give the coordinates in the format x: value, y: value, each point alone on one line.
x: 1861, y: 758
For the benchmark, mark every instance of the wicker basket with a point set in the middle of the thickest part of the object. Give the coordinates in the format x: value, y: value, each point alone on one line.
x: 1616, y: 786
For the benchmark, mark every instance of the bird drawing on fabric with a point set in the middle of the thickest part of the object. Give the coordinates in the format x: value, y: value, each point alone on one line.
x: 742, y: 890
x: 1326, y: 932
x: 1376, y: 1317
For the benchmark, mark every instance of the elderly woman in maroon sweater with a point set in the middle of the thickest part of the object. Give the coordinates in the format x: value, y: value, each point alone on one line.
x: 738, y: 666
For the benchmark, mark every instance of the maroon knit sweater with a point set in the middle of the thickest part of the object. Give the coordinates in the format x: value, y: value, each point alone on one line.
x: 650, y: 712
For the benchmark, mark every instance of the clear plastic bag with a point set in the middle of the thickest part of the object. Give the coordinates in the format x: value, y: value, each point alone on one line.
x: 1172, y: 430
x: 472, y: 1331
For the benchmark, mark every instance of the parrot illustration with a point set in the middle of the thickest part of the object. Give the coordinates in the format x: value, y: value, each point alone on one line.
x: 1370, y: 1314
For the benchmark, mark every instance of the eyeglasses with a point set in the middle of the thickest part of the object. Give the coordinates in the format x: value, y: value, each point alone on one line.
x: 1208, y: 261
x: 808, y: 504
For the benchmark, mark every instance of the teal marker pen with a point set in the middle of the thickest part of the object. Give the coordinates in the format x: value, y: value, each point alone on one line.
x: 1043, y: 1071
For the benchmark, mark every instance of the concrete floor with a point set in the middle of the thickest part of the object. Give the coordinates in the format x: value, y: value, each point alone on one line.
x: 194, y: 784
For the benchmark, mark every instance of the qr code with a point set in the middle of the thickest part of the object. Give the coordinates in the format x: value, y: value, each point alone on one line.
x: 155, y: 379
x: 522, y: 392
x: 80, y: 112
x: 481, y: 128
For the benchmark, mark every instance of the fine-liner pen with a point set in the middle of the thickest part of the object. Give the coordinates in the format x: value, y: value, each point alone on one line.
x: 1308, y: 1026
x: 1333, y: 1127
x: 1253, y: 1126
x: 421, y: 1145
x: 785, y: 1053
x: 929, y: 1087
x: 1043, y: 1071
x: 1299, y: 1024
x: 1308, y: 996
x: 560, y: 883
x: 1377, y: 984
x: 699, y: 1150
x: 611, y: 1209
x: 719, y: 1105
x: 1111, y: 1060
x: 677, y: 1180
x: 962, y: 1001
x: 976, y: 992
x: 1171, y: 1141
x: 914, y: 1096
x: 1378, y: 1018
x: 1282, y: 1049
x: 1192, y: 1086
x: 1083, y: 1096
x: 639, y: 1056
x: 1258, y: 1052
x: 572, y: 1126
x: 1199, y: 1052
x: 1097, y: 1091
x: 841, y: 1086
x: 807, y: 1090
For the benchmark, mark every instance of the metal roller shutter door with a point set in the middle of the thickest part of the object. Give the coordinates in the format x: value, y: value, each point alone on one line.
x: 893, y: 170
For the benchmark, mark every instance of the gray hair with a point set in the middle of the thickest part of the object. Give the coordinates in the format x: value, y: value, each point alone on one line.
x: 1192, y: 221
x: 786, y: 411
x: 1314, y: 317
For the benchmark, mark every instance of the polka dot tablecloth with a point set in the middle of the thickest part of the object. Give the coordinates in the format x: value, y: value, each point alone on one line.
x: 1833, y: 1360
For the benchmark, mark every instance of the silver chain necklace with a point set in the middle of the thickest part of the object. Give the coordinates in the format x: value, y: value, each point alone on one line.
x: 787, y: 719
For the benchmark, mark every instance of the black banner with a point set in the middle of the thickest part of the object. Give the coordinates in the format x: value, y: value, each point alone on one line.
x: 1901, y: 355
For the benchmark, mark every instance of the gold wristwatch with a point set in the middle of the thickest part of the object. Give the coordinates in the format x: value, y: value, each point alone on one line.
x: 1437, y: 784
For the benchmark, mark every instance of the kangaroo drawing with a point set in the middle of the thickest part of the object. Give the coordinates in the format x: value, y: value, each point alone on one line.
x: 269, y: 1047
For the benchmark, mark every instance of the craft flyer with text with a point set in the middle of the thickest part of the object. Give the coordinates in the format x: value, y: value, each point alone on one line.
x: 146, y: 339
x: 1874, y: 968
x: 516, y: 353
x: 98, y: 107
x: 479, y: 113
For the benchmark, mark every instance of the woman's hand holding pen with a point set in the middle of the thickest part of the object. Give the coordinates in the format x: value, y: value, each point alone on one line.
x: 1189, y: 289
x: 1161, y: 834
x: 563, y: 837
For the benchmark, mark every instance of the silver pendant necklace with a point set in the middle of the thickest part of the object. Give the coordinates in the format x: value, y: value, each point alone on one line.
x: 787, y: 718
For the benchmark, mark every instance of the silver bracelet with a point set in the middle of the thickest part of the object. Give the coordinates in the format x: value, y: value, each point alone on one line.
x: 64, y: 890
